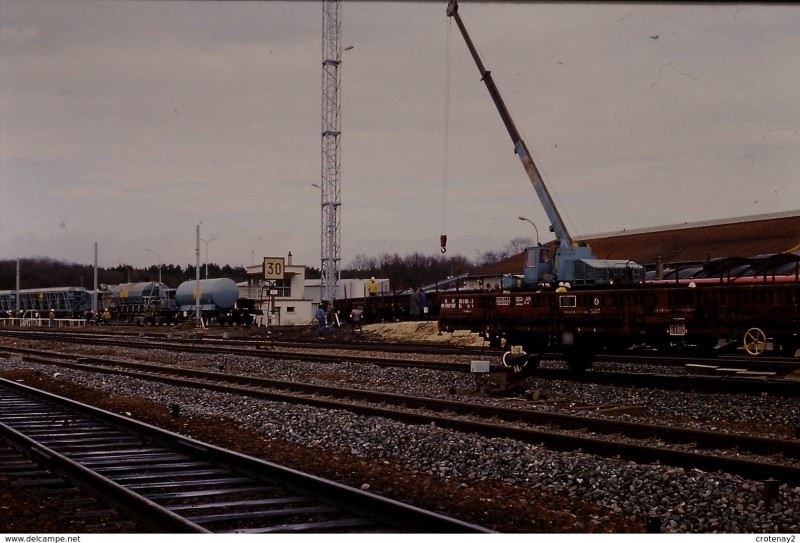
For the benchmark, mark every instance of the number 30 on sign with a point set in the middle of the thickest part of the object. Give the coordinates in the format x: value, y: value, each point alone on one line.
x: 273, y: 267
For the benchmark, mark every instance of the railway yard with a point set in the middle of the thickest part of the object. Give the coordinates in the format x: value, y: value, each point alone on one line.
x: 646, y: 382
x: 636, y: 444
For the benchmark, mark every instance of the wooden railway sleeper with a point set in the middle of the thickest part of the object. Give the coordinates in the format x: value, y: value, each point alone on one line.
x: 110, y: 492
x: 244, y: 476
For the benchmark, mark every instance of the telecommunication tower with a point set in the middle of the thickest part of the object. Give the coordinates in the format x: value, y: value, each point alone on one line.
x: 331, y: 152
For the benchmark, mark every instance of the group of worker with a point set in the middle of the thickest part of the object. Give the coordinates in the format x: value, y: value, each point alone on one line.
x: 101, y: 318
x: 417, y: 305
x: 327, y: 317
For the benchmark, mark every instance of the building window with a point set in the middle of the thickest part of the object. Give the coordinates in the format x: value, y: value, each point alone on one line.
x: 290, y: 309
x: 284, y: 288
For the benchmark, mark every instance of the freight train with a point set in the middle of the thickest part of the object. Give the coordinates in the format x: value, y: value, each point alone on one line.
x: 145, y: 303
x: 709, y: 314
x: 725, y: 304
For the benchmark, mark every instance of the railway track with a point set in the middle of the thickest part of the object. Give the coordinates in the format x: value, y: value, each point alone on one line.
x: 172, y: 483
x: 723, y: 383
x: 750, y: 457
x: 263, y: 350
x: 253, y: 342
x: 729, y: 383
x: 88, y: 515
x: 188, y: 341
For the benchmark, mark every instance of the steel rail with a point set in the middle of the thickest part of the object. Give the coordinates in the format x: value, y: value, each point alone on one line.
x: 229, y: 383
x: 131, y: 504
x: 726, y: 383
x: 667, y: 358
x: 511, y: 429
x: 262, y: 353
x: 260, y: 343
x: 376, y: 512
x: 723, y: 383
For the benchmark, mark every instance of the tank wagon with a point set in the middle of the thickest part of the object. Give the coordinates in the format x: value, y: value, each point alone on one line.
x: 144, y: 303
x: 156, y: 304
x: 215, y: 295
x: 138, y: 303
x: 218, y: 299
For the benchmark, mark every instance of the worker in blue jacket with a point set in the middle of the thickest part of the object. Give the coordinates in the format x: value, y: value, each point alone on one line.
x: 320, y: 316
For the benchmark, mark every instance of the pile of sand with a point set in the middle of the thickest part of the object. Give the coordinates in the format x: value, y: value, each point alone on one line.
x: 421, y: 331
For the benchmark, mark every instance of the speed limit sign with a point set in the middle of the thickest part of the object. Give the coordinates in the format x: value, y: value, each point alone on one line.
x: 273, y: 268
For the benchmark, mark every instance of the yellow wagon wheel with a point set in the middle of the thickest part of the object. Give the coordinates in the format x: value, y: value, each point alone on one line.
x: 755, y: 341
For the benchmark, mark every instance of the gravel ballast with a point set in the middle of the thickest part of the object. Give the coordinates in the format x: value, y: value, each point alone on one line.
x: 682, y: 501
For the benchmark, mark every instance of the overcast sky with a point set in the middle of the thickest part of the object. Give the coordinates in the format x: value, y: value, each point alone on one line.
x: 128, y: 123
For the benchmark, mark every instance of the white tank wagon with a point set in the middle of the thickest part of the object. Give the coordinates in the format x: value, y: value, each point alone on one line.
x: 218, y: 299
x: 215, y: 294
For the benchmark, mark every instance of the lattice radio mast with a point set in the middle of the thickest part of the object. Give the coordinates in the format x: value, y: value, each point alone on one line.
x: 331, y: 151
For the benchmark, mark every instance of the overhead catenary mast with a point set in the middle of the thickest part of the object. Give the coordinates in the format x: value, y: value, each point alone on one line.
x: 331, y: 152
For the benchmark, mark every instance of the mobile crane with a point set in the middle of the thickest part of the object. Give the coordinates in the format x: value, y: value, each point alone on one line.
x: 573, y: 262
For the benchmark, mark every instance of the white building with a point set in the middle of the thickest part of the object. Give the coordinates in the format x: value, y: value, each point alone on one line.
x: 293, y: 300
x: 283, y: 301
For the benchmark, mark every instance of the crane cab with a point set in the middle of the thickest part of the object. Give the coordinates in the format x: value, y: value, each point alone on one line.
x: 576, y: 265
x: 538, y: 265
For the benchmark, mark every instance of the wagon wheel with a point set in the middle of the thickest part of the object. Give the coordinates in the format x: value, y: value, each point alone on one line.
x: 755, y: 341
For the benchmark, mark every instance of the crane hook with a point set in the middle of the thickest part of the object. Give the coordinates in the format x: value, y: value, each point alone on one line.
x: 443, y: 240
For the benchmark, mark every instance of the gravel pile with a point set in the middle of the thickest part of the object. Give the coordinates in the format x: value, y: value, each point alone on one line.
x: 682, y: 501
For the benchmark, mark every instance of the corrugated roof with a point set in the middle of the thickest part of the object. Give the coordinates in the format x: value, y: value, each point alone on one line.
x: 689, y: 242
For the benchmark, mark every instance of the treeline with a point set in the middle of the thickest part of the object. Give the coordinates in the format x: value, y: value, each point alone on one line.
x: 46, y: 272
x: 410, y: 271
x: 403, y: 272
x: 416, y: 269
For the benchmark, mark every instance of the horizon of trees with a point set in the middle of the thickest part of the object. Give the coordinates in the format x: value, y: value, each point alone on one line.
x: 47, y: 272
x: 403, y: 272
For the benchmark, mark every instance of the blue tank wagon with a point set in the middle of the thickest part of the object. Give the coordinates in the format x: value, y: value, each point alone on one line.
x: 218, y: 299
x: 140, y: 303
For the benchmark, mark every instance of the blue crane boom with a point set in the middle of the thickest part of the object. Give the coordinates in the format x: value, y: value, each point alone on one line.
x: 572, y: 262
x: 557, y: 225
